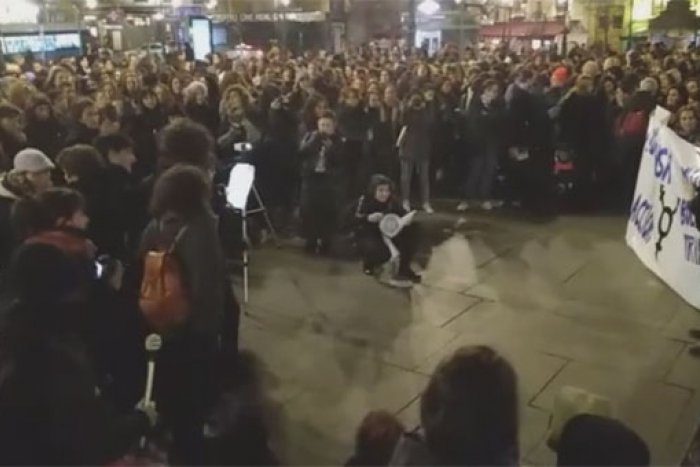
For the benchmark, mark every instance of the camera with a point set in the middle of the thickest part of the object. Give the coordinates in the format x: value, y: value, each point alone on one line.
x: 243, y: 147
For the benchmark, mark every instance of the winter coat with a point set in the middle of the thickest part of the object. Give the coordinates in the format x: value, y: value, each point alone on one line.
x: 46, y: 135
x: 352, y: 123
x: 416, y: 143
x: 200, y: 255
x: 485, y: 126
x: 9, y: 193
x: 80, y: 134
x: 120, y: 204
x: 51, y: 409
x: 144, y: 128
x: 584, y: 125
x: 311, y: 151
x: 528, y: 123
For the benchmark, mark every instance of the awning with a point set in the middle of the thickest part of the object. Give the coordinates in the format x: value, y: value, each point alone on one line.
x: 523, y: 29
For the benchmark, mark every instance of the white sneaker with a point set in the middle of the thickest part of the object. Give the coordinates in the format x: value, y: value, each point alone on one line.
x: 463, y: 206
x: 400, y: 284
x: 407, y: 206
x: 428, y: 208
x: 497, y: 203
x: 486, y: 206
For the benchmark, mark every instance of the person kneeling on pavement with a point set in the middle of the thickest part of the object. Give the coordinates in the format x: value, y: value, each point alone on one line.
x: 377, y: 245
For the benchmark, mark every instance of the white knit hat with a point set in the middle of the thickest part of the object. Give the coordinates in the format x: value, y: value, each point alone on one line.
x: 32, y: 160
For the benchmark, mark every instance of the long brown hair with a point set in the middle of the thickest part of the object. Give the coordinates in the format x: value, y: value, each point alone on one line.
x: 470, y: 409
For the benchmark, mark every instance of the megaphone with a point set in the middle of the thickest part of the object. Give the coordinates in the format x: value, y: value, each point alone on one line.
x: 152, y: 344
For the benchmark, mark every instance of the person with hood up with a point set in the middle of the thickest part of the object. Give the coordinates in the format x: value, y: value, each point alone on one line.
x: 378, y: 201
x: 30, y: 176
x: 43, y: 129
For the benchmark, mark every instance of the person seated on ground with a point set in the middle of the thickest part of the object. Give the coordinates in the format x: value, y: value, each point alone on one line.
x: 375, y: 247
x: 376, y: 439
x: 592, y: 440
x: 51, y: 412
x: 468, y: 412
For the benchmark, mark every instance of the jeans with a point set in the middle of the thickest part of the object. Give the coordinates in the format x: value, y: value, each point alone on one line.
x: 408, y: 166
x: 482, y: 173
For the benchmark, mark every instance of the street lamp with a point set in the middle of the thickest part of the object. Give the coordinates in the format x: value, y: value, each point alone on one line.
x: 429, y: 7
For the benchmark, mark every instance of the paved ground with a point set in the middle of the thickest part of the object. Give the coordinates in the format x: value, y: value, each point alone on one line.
x: 566, y: 301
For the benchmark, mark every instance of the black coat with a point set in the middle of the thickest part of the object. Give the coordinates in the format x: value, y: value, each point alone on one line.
x: 80, y: 134
x: 311, y: 148
x: 529, y: 125
x: 143, y: 129
x: 584, y: 124
x: 46, y: 135
x: 51, y: 411
x: 485, y: 126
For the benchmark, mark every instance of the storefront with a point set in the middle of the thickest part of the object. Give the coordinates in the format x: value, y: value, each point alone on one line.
x: 530, y: 35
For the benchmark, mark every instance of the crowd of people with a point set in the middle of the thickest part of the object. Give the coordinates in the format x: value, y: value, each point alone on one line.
x: 114, y: 165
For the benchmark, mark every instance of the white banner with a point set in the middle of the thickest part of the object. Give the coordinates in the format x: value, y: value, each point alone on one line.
x: 661, y: 228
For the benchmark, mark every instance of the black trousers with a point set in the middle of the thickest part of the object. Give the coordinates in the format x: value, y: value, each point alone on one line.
x: 374, y: 251
x: 319, y: 206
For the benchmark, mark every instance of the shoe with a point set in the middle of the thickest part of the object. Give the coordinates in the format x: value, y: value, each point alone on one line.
x: 428, y: 208
x: 324, y: 248
x: 694, y: 351
x: 410, y: 275
x: 407, y: 206
x: 311, y: 246
x: 694, y: 333
x: 463, y: 206
x: 368, y: 270
x: 400, y: 284
x: 497, y: 203
x: 486, y: 206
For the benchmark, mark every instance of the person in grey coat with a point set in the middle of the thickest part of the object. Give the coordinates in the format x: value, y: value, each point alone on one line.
x: 414, y: 150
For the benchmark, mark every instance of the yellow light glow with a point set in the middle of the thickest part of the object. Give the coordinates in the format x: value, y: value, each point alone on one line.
x: 642, y: 10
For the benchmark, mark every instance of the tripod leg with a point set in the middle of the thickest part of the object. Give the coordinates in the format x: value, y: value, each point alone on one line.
x: 266, y: 215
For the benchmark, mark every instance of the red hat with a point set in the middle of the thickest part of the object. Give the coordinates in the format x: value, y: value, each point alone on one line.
x: 560, y: 74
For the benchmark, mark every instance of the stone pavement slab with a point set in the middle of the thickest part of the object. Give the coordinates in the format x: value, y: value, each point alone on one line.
x: 566, y: 302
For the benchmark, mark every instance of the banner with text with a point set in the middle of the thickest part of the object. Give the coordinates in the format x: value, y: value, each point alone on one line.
x: 661, y: 228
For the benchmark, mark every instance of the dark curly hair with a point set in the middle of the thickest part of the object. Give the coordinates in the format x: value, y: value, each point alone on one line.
x: 183, y: 190
x: 185, y: 142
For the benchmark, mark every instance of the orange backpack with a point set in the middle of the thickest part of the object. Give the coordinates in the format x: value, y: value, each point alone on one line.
x: 163, y: 300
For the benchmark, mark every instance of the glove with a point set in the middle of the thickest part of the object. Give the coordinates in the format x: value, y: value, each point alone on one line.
x: 149, y: 410
x: 375, y: 217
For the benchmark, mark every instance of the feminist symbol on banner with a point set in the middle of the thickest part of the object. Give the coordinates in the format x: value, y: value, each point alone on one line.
x: 665, y: 220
